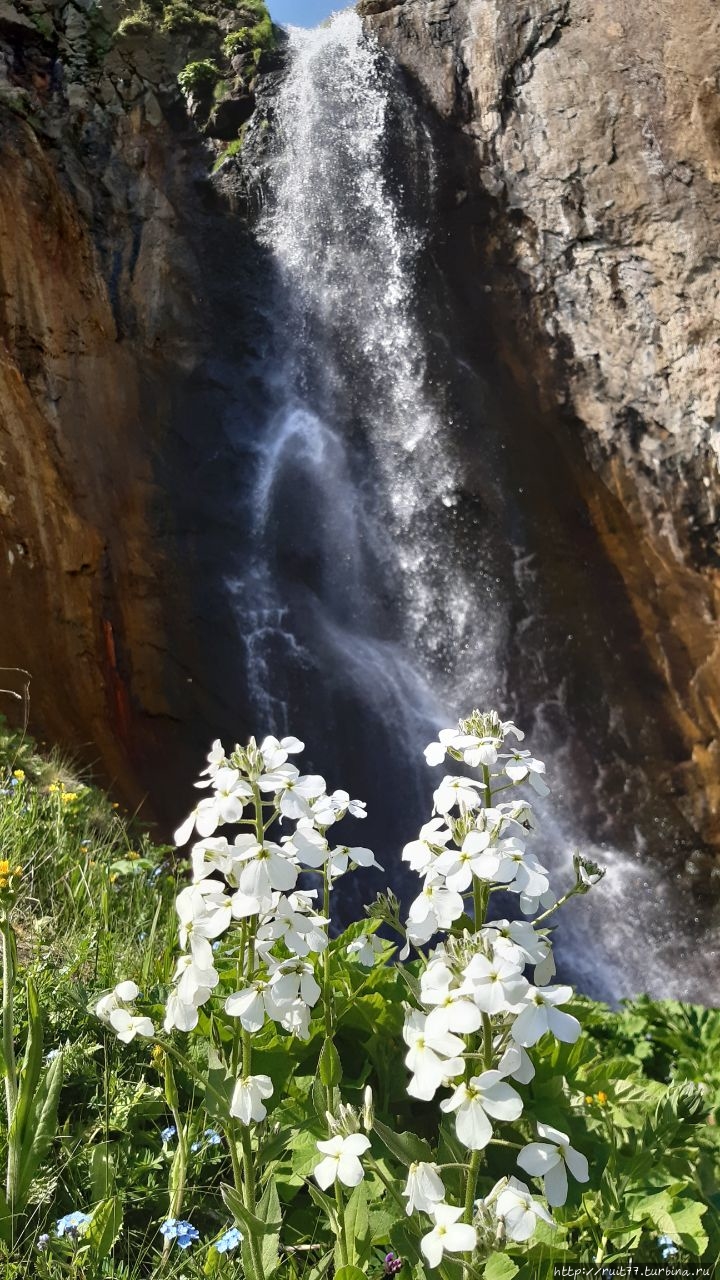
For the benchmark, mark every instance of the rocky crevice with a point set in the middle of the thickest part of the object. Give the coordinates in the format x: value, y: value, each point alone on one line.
x: 592, y: 132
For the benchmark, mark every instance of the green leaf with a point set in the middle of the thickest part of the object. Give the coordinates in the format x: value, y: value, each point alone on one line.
x: 29, y: 1076
x: 244, y: 1218
x: 322, y: 1201
x: 42, y: 1124
x: 329, y: 1066
x: 269, y: 1211
x: 105, y: 1226
x: 349, y: 1273
x: 357, y: 1225
x: 219, y: 1089
x: 682, y: 1220
x: 102, y: 1173
x: 500, y: 1267
x: 406, y: 1147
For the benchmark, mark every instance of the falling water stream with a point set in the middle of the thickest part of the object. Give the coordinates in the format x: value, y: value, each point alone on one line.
x: 371, y: 606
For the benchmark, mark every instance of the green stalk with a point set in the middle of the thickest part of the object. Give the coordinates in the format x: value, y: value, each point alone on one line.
x: 342, y: 1227
x: 178, y: 1169
x: 8, y: 1017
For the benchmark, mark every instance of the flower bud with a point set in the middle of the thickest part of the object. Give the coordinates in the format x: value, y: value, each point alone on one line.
x: 368, y: 1109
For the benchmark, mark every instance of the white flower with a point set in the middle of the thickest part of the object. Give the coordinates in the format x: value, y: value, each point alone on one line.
x: 447, y: 1236
x: 355, y: 856
x: 548, y: 1160
x: 433, y: 1056
x: 295, y: 791
x: 329, y: 809
x: 521, y: 765
x: 421, y: 853
x: 297, y: 923
x: 179, y: 1014
x: 208, y: 856
x: 519, y: 1211
x: 518, y: 940
x: 451, y: 1010
x: 366, y: 949
x: 424, y: 1188
x: 497, y: 864
x: 457, y: 791
x: 196, y: 977
x: 341, y: 1161
x: 251, y: 1005
x: 247, y: 1101
x: 123, y: 993
x: 292, y: 981
x: 203, y: 911
x: 126, y: 1025
x: 517, y: 1063
x: 434, y: 908
x: 275, y: 753
x: 540, y: 1014
x: 254, y: 894
x: 483, y: 1095
x: 495, y: 986
x: 204, y: 819
x: 231, y: 789
x: 310, y: 847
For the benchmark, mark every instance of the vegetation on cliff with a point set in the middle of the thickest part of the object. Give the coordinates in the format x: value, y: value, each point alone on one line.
x: 267, y: 1127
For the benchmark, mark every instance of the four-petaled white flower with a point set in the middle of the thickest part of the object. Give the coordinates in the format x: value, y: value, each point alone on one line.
x: 424, y: 1188
x: 365, y: 949
x: 447, y: 1236
x: 457, y: 791
x: 247, y: 1102
x: 433, y: 1056
x: 495, y: 986
x: 342, y: 1160
x: 521, y: 766
x: 541, y: 1014
x: 519, y: 1210
x: 127, y: 1025
x: 473, y: 1101
x: 548, y: 1160
x: 421, y: 853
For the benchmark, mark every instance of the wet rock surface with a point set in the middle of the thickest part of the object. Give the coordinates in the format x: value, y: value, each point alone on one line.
x: 589, y: 136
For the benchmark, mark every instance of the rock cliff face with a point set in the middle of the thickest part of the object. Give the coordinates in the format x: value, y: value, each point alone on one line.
x: 112, y: 297
x: 589, y: 132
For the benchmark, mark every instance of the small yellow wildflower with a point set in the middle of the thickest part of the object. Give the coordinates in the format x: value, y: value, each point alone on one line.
x: 19, y: 774
x: 4, y: 867
x: 157, y: 1055
x: 132, y: 855
x: 113, y: 877
x: 588, y: 1098
x: 53, y: 788
x: 69, y: 797
x: 602, y: 1098
x: 17, y: 872
x: 3, y: 882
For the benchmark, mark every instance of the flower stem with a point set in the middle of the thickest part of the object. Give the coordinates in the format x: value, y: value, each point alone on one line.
x: 471, y: 1185
x: 342, y: 1229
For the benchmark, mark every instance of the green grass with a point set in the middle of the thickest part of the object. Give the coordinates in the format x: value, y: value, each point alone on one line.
x: 95, y: 905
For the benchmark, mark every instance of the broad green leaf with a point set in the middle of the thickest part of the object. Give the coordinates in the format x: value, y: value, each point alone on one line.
x: 269, y: 1211
x: 105, y: 1227
x: 349, y: 1273
x: 244, y: 1218
x: 357, y: 1226
x: 102, y: 1173
x: 29, y: 1077
x: 406, y: 1147
x: 42, y: 1124
x: 329, y: 1066
x: 500, y: 1267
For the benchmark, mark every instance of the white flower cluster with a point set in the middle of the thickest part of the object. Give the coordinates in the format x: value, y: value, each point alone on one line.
x: 115, y: 1009
x: 251, y: 881
x: 479, y: 1012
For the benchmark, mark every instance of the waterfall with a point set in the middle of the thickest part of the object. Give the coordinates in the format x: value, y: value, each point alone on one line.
x: 374, y: 602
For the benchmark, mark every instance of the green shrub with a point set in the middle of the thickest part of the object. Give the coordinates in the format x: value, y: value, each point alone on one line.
x: 198, y: 76
x: 140, y: 22
x: 179, y: 16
